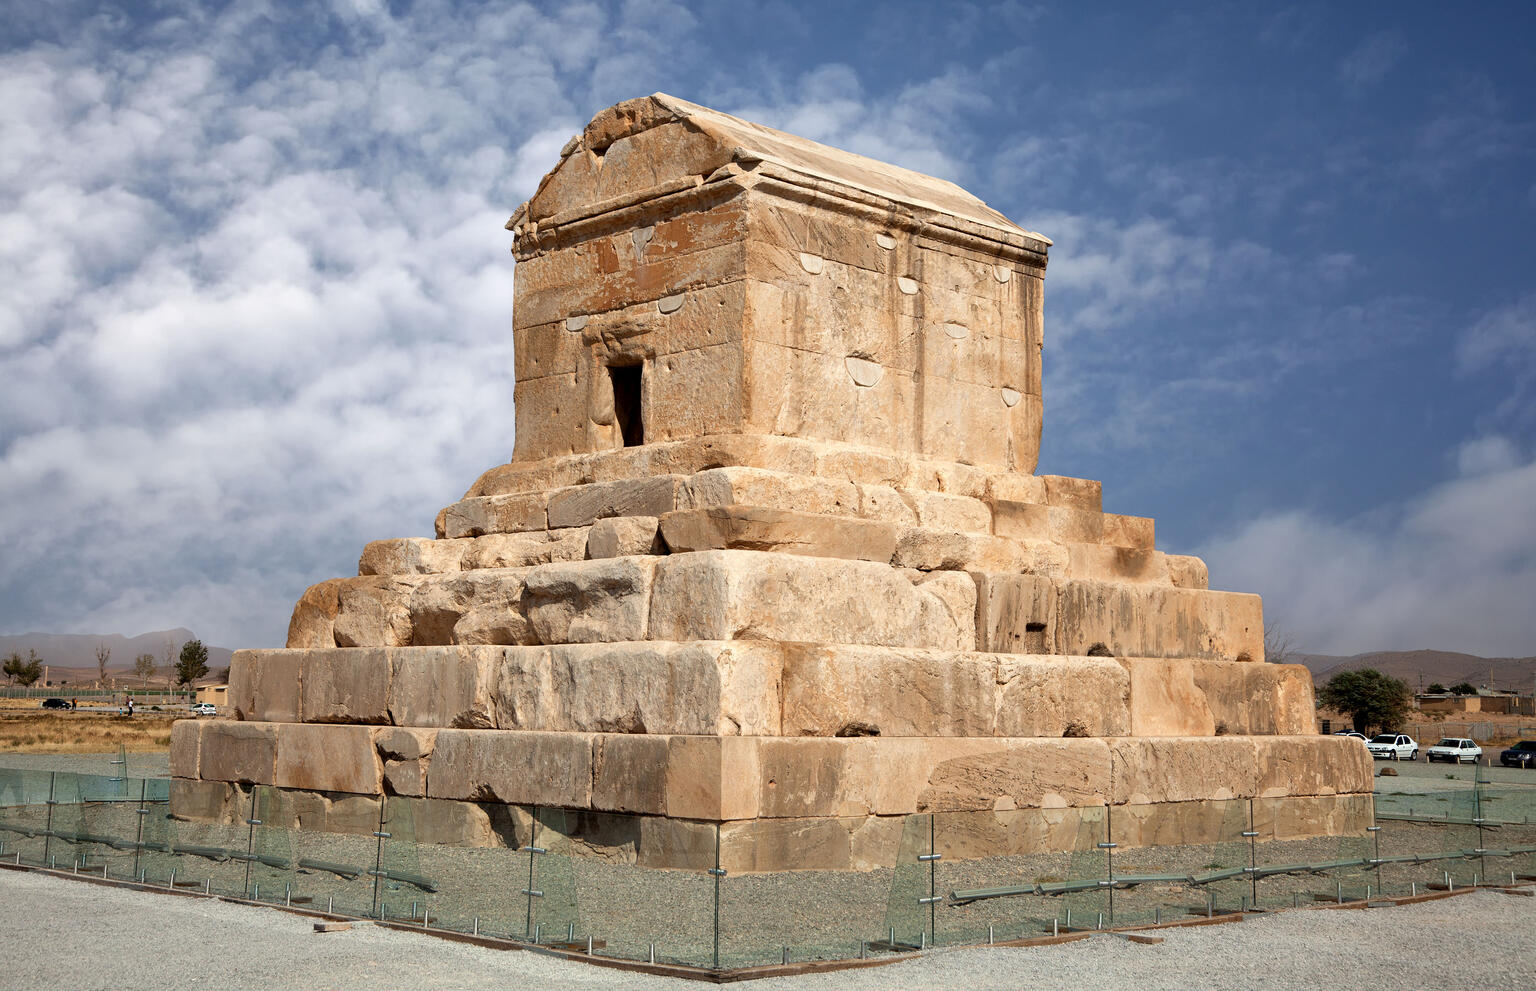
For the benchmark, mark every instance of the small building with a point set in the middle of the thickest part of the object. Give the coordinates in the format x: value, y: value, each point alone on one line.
x: 217, y: 694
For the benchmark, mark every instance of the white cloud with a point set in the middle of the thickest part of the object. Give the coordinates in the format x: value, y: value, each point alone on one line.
x: 1454, y: 568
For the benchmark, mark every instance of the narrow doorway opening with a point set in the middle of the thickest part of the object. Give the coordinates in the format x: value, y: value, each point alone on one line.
x: 627, y: 410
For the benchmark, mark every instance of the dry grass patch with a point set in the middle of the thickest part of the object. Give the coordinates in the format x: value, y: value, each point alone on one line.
x: 37, y: 732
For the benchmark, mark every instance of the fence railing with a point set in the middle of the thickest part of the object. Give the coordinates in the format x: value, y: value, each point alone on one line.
x: 614, y: 886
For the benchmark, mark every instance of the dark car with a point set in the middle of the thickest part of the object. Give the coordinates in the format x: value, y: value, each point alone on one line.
x: 55, y: 704
x: 1522, y: 754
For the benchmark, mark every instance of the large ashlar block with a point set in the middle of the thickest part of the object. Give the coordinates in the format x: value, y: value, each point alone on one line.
x: 1180, y: 769
x: 495, y: 514
x: 661, y: 688
x: 264, y: 685
x: 590, y: 601
x: 185, y: 741
x: 412, y: 555
x: 482, y: 606
x: 1015, y: 614
x: 784, y: 531
x: 1062, y: 696
x: 750, y: 595
x: 521, y: 768
x: 442, y: 687
x: 242, y: 752
x: 802, y: 493
x: 345, y: 686
x: 879, y: 691
x: 328, y: 758
x: 1150, y: 621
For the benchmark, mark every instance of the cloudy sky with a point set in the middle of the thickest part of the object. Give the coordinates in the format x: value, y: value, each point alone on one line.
x: 255, y: 292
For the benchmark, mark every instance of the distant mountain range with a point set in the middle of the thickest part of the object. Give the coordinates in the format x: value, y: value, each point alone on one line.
x: 72, y: 656
x: 1429, y: 667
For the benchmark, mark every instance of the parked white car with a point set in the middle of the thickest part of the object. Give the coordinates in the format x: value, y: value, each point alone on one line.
x: 1454, y: 750
x: 1393, y: 746
x: 205, y: 709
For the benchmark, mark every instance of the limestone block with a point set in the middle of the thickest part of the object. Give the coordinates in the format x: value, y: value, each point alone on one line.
x: 711, y: 778
x: 264, y: 685
x: 692, y: 393
x: 522, y: 768
x: 551, y: 419
x: 401, y: 743
x: 373, y: 612
x: 677, y: 844
x: 1136, y: 532
x: 942, y: 511
x: 345, y: 686
x: 844, y: 691
x: 411, y: 555
x: 887, y: 504
x: 736, y: 486
x: 785, y: 531
x: 623, y: 536
x: 949, y: 550
x: 1016, y: 774
x: 484, y: 606
x: 242, y: 752
x: 1074, y: 493
x: 520, y: 550
x: 405, y: 777
x: 583, y: 504
x: 947, y: 600
x: 480, y: 515
x: 328, y: 758
x: 442, y: 687
x: 1165, y: 699
x: 1278, y: 699
x: 1311, y: 765
x: 1187, y: 572
x: 796, y: 844
x: 1015, y: 614
x: 466, y: 824
x: 1103, y: 562
x: 629, y: 774
x: 1022, y: 520
x: 185, y: 735
x: 205, y: 801
x: 357, y: 815
x: 1148, y: 770
x: 314, y: 617
x: 751, y: 595
x: 1220, y: 821
x: 1301, y: 817
x: 1017, y: 487
x: 1062, y: 697
x: 1158, y: 621
x: 590, y: 601
x: 823, y: 397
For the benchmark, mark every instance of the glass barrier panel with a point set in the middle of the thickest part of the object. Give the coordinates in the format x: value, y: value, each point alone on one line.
x: 334, y: 849
x: 1175, y: 860
x: 24, y: 815
x: 1085, y: 904
x: 271, y: 863
x: 995, y: 869
x: 805, y: 889
x: 1313, y: 849
x: 908, y: 909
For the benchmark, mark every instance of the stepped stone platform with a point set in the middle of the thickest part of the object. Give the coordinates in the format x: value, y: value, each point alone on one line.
x: 770, y: 551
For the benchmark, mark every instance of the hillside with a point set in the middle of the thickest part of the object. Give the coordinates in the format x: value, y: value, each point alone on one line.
x: 1443, y: 666
x: 72, y: 656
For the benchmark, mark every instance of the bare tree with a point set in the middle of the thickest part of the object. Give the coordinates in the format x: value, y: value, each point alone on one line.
x: 144, y: 667
x: 168, y: 661
x: 103, y: 654
x: 1279, y: 645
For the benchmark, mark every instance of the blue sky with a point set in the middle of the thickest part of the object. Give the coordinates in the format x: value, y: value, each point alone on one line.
x: 255, y: 294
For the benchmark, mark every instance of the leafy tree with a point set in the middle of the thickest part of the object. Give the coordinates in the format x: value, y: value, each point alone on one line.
x: 144, y: 667
x: 1370, y: 698
x: 168, y: 661
x: 193, y: 663
x: 103, y: 654
x: 1463, y: 688
x: 24, y: 671
x: 1436, y: 689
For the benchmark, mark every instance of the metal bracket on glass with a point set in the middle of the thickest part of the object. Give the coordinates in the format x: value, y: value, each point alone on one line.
x: 1249, y: 834
x: 382, y: 835
x: 1106, y: 846
x: 716, y: 872
x: 253, y: 822
x: 926, y: 857
x: 532, y: 893
x: 534, y: 849
x: 930, y: 901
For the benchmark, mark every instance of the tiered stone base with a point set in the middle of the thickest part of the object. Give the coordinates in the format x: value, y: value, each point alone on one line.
x: 802, y: 641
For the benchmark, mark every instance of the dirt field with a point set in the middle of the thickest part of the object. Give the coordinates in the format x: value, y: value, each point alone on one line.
x: 36, y: 731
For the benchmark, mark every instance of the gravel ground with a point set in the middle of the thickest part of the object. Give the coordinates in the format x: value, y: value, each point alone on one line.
x: 63, y: 933
x: 150, y: 765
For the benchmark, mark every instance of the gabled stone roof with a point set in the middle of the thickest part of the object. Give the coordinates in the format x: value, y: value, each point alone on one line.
x: 703, y: 141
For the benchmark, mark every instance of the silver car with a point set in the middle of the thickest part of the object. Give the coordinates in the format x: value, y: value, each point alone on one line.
x: 1454, y: 750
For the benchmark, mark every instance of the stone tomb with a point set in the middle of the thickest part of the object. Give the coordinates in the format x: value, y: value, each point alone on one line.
x: 770, y: 551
